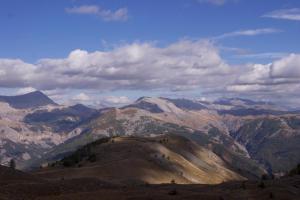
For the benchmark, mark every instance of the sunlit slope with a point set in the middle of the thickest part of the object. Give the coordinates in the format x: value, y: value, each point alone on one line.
x: 161, y: 159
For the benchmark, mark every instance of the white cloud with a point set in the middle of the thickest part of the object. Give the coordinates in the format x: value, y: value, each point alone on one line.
x: 245, y: 88
x: 180, y: 66
x: 25, y: 90
x: 120, y: 14
x: 258, y: 73
x: 116, y: 100
x: 216, y: 2
x: 86, y: 9
x: 15, y: 73
x: 281, y: 71
x: 249, y: 32
x: 276, y: 81
x: 270, y: 55
x: 81, y: 97
x: 135, y: 66
x: 288, y: 14
x: 287, y: 67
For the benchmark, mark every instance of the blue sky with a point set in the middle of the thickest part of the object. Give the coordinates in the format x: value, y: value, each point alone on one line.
x: 240, y: 32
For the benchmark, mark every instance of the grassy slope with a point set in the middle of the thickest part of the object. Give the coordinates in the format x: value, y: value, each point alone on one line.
x: 152, y: 160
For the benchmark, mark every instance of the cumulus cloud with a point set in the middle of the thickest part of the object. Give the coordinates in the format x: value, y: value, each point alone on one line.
x: 120, y: 14
x: 15, y: 73
x: 282, y: 71
x: 81, y: 97
x: 194, y: 65
x: 25, y: 90
x: 249, y: 32
x: 277, y: 80
x: 287, y: 14
x: 116, y: 100
x: 182, y: 65
x: 287, y: 67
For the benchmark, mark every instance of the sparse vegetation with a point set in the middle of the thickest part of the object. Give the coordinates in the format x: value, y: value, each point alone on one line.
x: 243, y: 185
x: 264, y: 177
x: 262, y: 185
x: 12, y: 164
x: 92, y: 158
x: 173, y: 192
x: 295, y: 171
x: 85, y: 152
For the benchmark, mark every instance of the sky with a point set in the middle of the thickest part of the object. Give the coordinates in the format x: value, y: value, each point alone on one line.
x: 111, y: 52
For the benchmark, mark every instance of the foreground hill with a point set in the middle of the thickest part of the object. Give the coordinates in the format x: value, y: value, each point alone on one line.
x: 8, y: 176
x: 154, y: 160
x: 286, y: 188
x: 143, y: 124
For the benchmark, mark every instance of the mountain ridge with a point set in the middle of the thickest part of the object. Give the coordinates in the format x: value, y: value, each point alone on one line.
x: 29, y: 100
x: 48, y: 135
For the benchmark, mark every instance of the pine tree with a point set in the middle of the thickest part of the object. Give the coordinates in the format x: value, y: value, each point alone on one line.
x: 12, y: 164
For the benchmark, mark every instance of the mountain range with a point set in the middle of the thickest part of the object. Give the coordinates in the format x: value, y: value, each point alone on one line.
x: 184, y: 140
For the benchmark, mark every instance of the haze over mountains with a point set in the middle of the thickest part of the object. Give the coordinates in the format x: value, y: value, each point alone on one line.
x: 229, y: 139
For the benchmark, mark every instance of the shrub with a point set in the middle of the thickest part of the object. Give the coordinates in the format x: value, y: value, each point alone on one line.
x: 68, y: 163
x: 172, y: 192
x: 264, y: 177
x: 295, y: 171
x: 92, y: 158
x: 262, y: 185
x: 243, y: 186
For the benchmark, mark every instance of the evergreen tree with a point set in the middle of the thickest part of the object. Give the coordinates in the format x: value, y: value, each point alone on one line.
x: 12, y: 164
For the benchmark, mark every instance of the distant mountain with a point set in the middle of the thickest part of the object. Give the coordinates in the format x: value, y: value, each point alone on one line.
x: 30, y: 100
x: 187, y: 104
x: 251, y: 137
x: 60, y: 119
x: 203, y: 127
x: 274, y: 141
x: 235, y: 101
x: 142, y: 103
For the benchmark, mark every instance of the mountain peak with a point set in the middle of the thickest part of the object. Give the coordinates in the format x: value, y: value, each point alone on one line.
x: 143, y: 98
x: 29, y: 100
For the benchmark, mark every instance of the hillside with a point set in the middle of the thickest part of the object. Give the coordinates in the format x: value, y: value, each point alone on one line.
x: 154, y: 160
x: 286, y: 188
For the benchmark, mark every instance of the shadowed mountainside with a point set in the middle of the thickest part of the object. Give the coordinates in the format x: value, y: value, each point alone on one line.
x: 30, y: 100
x: 286, y: 188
